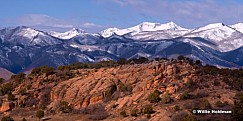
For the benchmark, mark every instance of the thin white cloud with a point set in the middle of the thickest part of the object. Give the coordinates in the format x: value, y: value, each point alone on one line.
x: 129, y: 2
x: 126, y: 13
x: 186, y: 12
x: 88, y: 24
x: 47, y: 23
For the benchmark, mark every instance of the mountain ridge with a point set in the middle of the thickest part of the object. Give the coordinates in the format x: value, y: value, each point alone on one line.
x: 143, y: 27
x: 23, y: 48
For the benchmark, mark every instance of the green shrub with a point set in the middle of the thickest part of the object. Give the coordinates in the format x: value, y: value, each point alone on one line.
x: 148, y: 109
x: 7, y: 118
x: 184, y: 95
x: 201, y: 94
x: 206, y: 104
x: 189, y: 118
x: 43, y: 69
x: 183, y: 116
x: 115, y: 105
x: 63, y: 68
x: 176, y: 108
x: 29, y: 87
x: 122, y: 61
x: 216, y: 83
x: 218, y: 96
x: 111, y: 90
x: 123, y: 113
x: 48, y: 70
x: 237, y: 108
x: 148, y: 116
x: 19, y: 77
x: 2, y: 80
x: 181, y: 57
x: 165, y: 98
x: 139, y: 60
x: 64, y: 107
x: 35, y: 71
x: 6, y: 88
x: 220, y: 104
x: 198, y: 62
x: 40, y: 114
x: 157, y: 59
x: 156, y: 73
x: 189, y: 83
x: 154, y: 97
x: 11, y: 97
x: 134, y: 113
x: 108, y: 94
x: 22, y: 91
x: 65, y: 75
x: 122, y: 86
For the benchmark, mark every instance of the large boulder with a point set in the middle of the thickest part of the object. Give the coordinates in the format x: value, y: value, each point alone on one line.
x: 6, y: 106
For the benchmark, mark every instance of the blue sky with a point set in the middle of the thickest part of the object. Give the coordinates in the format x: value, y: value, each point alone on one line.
x: 96, y: 15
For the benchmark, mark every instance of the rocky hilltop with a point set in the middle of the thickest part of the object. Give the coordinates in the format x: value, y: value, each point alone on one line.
x: 158, y: 90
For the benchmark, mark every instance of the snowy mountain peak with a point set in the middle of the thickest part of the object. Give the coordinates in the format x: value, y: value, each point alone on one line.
x: 26, y: 36
x: 68, y: 34
x: 238, y: 27
x: 26, y: 32
x: 21, y: 27
x: 211, y: 26
x: 76, y: 30
x: 18, y: 31
x: 219, y: 34
x: 148, y: 26
x: 108, y: 32
x: 172, y: 24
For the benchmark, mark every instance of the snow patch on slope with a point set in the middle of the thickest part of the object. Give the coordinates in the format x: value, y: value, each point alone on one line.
x: 28, y: 33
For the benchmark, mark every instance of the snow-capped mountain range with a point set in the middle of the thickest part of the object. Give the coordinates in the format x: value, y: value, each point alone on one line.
x: 23, y: 48
x: 146, y: 28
